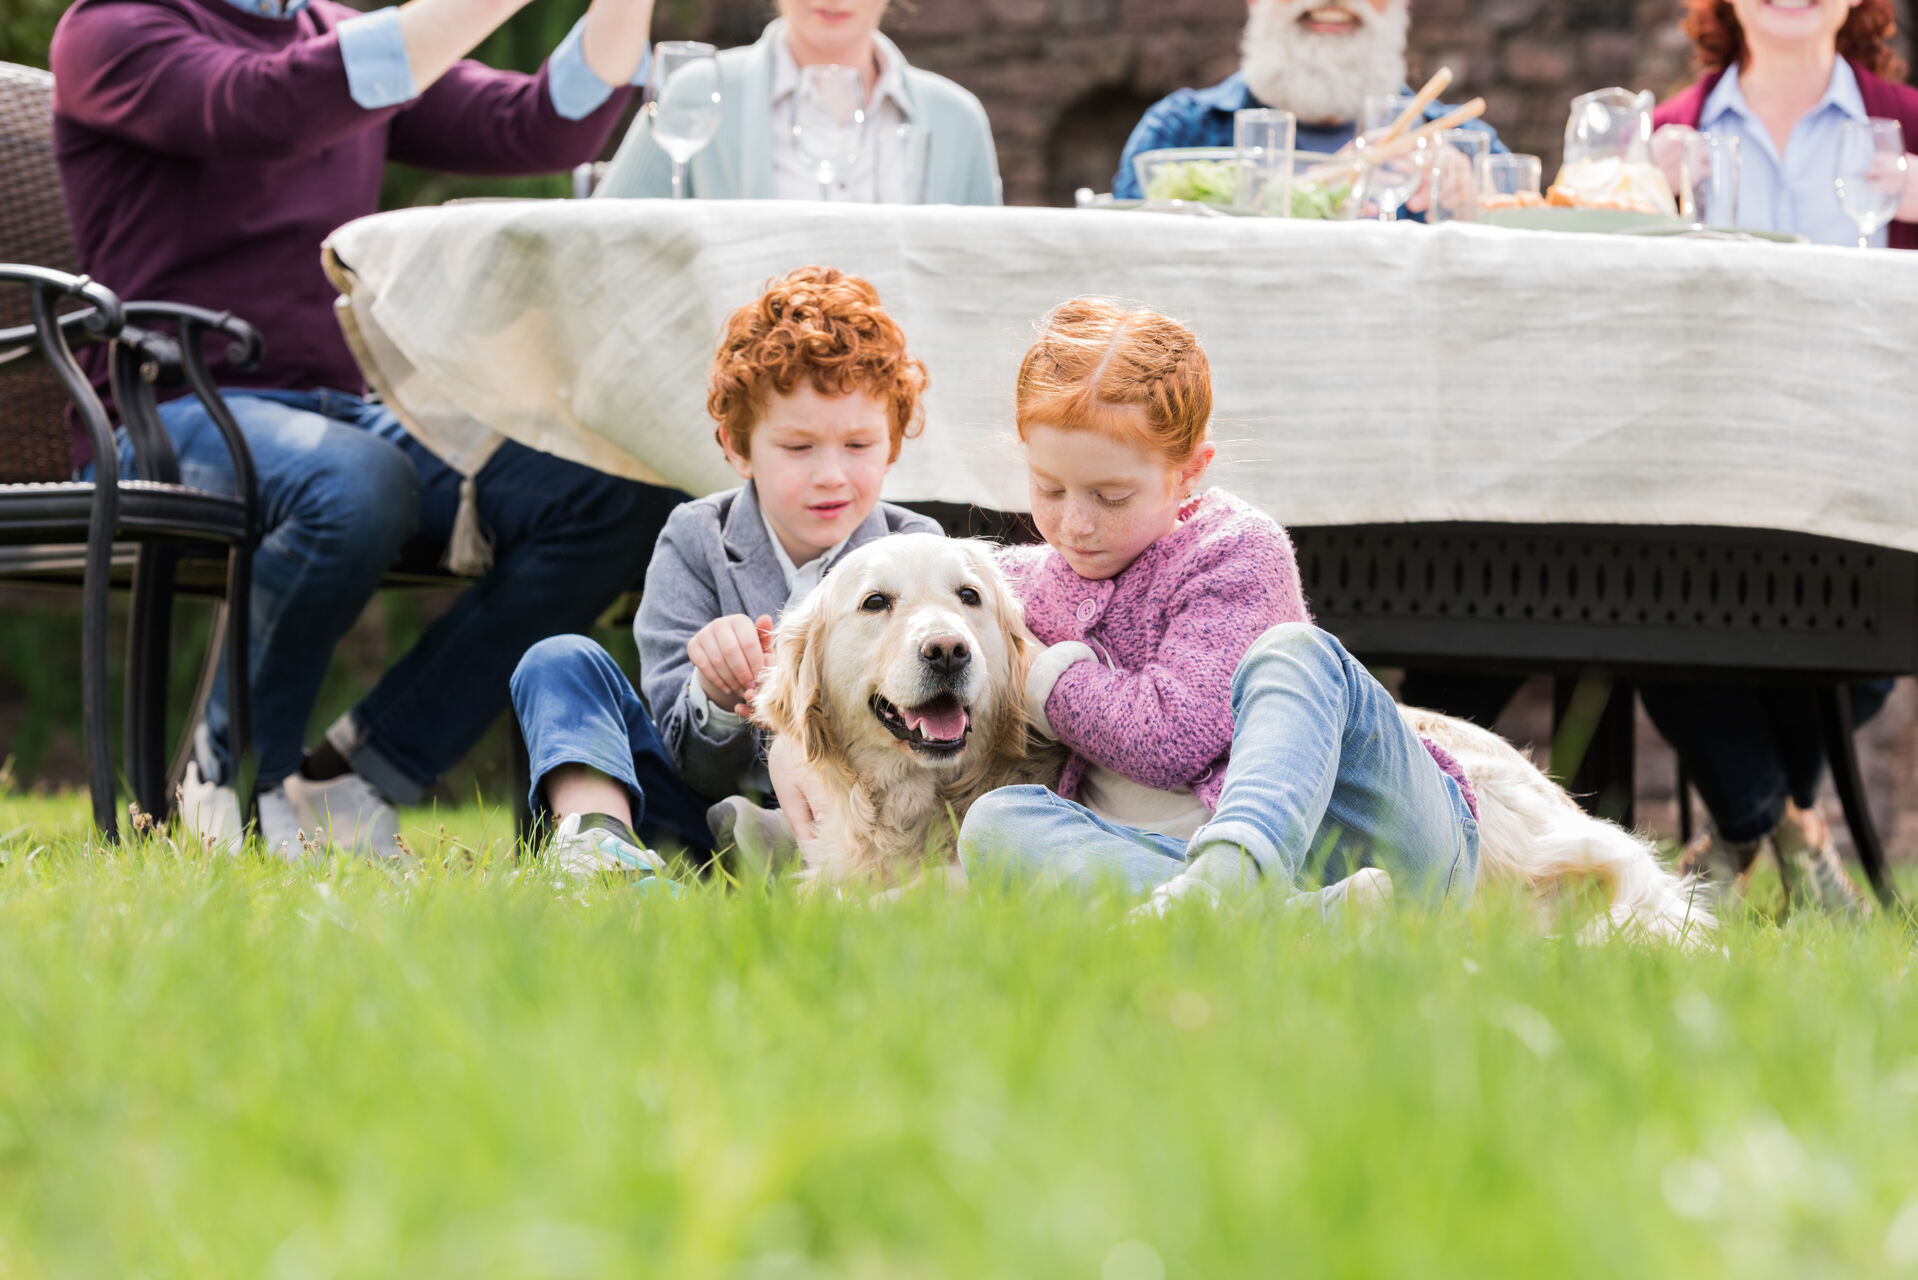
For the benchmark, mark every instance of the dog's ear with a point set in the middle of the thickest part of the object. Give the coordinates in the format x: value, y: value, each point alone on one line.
x: 791, y: 702
x: 1022, y: 647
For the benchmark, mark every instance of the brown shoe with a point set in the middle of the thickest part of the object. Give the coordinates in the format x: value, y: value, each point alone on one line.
x: 1724, y: 865
x: 1809, y: 862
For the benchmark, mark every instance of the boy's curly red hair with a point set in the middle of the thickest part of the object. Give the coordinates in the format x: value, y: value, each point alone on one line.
x: 1719, y: 42
x: 826, y: 327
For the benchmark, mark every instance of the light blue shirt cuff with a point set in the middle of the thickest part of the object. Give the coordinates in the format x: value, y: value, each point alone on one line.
x: 576, y: 88
x: 374, y: 51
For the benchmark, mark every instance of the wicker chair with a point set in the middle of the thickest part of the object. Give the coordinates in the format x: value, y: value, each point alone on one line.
x: 55, y: 530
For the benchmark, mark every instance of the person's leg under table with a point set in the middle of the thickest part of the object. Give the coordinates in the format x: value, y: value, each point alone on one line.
x: 1727, y: 736
x: 335, y: 505
x: 566, y: 541
x: 1326, y: 776
x: 576, y: 707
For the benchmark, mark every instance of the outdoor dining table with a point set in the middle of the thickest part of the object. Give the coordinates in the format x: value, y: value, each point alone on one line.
x: 1498, y: 450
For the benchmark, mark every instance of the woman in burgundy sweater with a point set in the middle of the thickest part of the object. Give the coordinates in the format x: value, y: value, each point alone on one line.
x: 207, y: 147
x: 1783, y: 77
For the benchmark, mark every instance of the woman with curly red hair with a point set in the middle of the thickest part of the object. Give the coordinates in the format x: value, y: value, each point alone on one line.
x: 812, y: 393
x: 1783, y: 76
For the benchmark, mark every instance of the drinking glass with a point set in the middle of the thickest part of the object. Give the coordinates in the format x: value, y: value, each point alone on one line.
x: 1381, y: 109
x: 829, y: 122
x: 913, y: 148
x: 1510, y: 178
x: 1708, y: 177
x: 682, y: 102
x: 1455, y: 175
x: 1262, y: 141
x: 1870, y: 173
x: 1389, y: 183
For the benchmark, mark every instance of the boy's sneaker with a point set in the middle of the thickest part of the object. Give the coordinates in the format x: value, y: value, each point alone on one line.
x: 761, y: 839
x: 1814, y: 873
x: 347, y: 811
x: 596, y: 851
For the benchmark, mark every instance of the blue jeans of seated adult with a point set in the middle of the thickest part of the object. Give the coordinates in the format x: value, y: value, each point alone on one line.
x: 1324, y: 778
x: 342, y: 490
x: 1750, y: 748
x: 575, y: 706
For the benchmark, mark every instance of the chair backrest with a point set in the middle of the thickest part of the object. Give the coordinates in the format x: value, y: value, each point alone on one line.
x: 35, y: 440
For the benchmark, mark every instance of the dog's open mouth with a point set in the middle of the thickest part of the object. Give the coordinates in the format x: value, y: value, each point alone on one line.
x: 935, y: 728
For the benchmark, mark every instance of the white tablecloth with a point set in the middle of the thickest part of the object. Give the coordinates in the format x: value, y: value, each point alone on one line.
x: 1363, y: 373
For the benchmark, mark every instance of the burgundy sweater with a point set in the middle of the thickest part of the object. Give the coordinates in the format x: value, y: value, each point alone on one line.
x: 1885, y: 99
x: 206, y: 152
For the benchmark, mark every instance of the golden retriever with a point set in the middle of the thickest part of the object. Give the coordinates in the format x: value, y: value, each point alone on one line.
x: 901, y: 680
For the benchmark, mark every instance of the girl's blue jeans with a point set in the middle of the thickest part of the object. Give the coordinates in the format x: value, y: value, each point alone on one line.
x: 1325, y: 778
x: 575, y: 706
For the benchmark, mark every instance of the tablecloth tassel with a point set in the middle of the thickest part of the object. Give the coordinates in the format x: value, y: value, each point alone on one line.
x: 469, y: 552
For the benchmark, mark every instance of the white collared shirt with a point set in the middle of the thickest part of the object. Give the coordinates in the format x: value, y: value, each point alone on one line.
x: 885, y: 151
x: 801, y: 580
x: 1794, y: 192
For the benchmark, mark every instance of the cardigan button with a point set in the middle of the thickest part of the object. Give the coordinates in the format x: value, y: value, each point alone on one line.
x: 1088, y: 610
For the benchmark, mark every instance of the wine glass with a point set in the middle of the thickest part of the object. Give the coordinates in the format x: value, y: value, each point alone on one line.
x: 1870, y: 173
x: 682, y: 102
x: 829, y: 121
x: 1390, y: 184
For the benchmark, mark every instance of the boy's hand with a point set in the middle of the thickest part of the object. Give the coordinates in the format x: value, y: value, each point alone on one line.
x: 794, y: 785
x: 728, y: 654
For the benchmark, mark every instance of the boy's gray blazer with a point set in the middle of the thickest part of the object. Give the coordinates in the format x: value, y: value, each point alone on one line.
x: 714, y: 558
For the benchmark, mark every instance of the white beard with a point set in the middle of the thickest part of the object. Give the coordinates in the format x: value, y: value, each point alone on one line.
x: 1322, y: 78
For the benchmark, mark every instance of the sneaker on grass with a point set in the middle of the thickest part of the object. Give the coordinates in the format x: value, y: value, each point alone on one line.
x: 595, y: 845
x: 347, y: 812
x: 1814, y: 873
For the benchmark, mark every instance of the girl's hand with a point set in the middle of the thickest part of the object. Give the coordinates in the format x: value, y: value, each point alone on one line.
x: 728, y: 654
x: 795, y: 785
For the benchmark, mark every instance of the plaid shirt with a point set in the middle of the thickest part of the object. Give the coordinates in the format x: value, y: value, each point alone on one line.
x: 1203, y: 118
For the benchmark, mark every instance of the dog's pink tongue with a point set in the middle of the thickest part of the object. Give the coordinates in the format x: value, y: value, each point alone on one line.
x: 939, y: 721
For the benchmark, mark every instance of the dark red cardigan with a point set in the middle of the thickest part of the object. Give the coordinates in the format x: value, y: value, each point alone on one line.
x: 1883, y: 99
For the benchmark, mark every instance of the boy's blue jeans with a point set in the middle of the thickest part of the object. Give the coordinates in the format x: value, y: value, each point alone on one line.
x: 342, y: 490
x: 575, y: 706
x: 1324, y: 778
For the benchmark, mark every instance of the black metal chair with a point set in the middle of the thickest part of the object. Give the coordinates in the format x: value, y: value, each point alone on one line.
x: 52, y: 525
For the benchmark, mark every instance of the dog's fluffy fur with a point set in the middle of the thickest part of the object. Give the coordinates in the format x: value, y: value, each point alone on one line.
x: 1532, y: 834
x: 863, y: 672
x: 866, y: 678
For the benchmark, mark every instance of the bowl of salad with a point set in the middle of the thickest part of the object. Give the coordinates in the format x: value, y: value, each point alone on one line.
x: 1322, y: 186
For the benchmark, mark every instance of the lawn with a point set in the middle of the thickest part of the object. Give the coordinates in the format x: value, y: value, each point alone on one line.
x: 214, y: 1068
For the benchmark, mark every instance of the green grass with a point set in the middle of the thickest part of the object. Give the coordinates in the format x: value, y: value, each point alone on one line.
x: 214, y: 1068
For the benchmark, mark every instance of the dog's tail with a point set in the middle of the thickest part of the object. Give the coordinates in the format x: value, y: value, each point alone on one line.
x: 1532, y: 833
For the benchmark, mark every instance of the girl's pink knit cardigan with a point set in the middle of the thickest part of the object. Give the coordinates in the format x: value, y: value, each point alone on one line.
x: 1172, y: 628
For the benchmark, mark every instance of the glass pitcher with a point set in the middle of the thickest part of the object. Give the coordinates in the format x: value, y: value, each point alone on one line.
x: 1608, y: 155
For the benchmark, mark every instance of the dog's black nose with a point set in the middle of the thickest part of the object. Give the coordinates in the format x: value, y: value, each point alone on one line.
x: 948, y: 655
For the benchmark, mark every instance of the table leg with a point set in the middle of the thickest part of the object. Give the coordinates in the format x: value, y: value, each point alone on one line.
x: 1841, y: 748
x: 1593, y: 750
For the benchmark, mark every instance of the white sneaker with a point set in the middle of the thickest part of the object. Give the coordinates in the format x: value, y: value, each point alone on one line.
x: 210, y: 812
x: 279, y: 826
x: 347, y: 811
x: 595, y: 852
